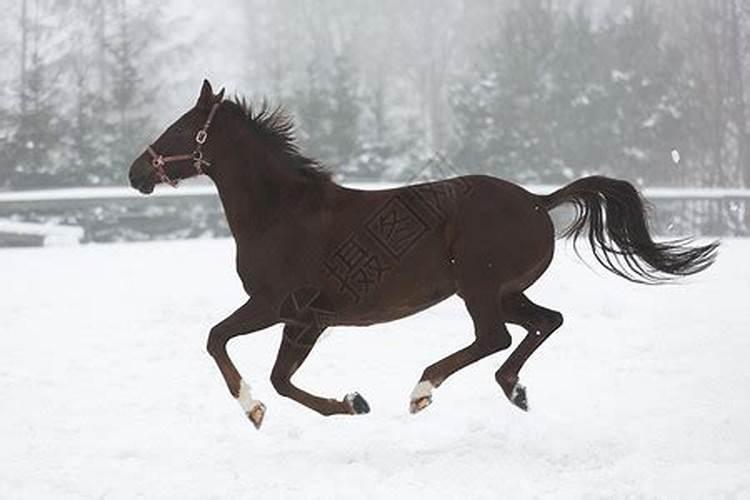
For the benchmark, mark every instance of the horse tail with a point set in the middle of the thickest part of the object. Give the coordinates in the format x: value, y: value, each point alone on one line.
x: 618, y: 233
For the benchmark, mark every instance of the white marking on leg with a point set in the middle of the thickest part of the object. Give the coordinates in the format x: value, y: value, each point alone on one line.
x: 245, y: 399
x: 517, y: 388
x: 422, y: 390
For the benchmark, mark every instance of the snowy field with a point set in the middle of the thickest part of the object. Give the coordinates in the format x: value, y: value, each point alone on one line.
x: 107, y: 390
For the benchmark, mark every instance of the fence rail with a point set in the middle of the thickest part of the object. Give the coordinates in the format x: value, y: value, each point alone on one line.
x: 201, y: 190
x: 120, y: 213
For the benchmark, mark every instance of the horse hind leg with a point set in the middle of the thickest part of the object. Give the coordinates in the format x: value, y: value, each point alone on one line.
x: 491, y: 336
x: 539, y: 323
x: 296, y: 344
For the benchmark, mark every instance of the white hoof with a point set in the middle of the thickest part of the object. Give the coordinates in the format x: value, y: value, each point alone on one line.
x: 256, y: 414
x: 421, y: 396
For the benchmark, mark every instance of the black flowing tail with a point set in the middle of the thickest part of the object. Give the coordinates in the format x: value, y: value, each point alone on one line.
x: 618, y: 232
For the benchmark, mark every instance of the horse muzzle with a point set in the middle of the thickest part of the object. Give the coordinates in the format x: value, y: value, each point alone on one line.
x: 141, y: 175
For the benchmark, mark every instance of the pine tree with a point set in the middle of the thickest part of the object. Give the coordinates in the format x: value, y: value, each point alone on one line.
x: 328, y: 109
x: 714, y: 36
x: 646, y: 115
x: 88, y: 155
x: 580, y: 138
x: 345, y: 112
x: 83, y: 106
x: 556, y: 97
x: 502, y: 115
x: 131, y: 96
x: 34, y: 144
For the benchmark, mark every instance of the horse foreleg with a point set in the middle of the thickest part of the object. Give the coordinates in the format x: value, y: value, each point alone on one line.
x: 296, y: 345
x: 539, y: 323
x: 253, y: 316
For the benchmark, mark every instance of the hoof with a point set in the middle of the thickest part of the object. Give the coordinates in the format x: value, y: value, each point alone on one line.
x: 420, y: 404
x: 518, y: 397
x: 357, y: 404
x: 421, y: 396
x: 256, y: 414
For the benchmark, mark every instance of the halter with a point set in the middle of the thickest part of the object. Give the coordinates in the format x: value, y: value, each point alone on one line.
x: 159, y: 162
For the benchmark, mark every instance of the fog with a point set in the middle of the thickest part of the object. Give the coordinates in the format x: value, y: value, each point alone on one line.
x: 107, y: 388
x: 535, y: 91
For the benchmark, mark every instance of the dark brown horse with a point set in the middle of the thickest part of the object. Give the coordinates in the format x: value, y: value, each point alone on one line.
x: 313, y: 254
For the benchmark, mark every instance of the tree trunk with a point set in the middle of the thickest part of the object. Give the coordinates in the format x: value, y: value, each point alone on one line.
x: 24, y: 48
x: 738, y: 91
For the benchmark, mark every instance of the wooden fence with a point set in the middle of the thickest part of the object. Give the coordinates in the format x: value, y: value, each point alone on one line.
x: 121, y: 214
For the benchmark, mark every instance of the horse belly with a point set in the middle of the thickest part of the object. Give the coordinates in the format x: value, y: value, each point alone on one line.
x: 421, y: 279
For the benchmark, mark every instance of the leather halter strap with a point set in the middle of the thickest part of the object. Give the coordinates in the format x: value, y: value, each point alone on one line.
x: 159, y: 162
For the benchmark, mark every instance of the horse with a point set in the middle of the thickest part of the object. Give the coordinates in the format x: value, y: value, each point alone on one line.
x: 312, y: 254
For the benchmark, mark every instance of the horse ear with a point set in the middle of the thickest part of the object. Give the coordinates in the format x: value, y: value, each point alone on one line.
x: 207, y: 93
x: 220, y: 95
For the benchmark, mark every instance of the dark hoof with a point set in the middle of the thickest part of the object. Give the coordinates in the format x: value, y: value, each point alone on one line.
x: 357, y: 404
x: 518, y: 397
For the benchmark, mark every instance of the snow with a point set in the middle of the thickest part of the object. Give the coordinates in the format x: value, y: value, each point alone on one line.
x: 53, y: 234
x: 675, y: 156
x: 107, y: 390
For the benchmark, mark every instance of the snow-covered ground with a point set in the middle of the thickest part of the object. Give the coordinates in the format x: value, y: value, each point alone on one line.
x: 107, y: 392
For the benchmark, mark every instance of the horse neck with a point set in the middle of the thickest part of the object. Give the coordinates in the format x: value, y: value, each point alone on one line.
x: 256, y: 190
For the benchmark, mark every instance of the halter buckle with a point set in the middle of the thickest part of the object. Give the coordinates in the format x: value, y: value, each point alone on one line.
x: 159, y: 162
x: 201, y: 137
x: 198, y: 161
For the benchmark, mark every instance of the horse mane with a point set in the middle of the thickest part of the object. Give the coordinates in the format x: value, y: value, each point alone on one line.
x: 276, y: 127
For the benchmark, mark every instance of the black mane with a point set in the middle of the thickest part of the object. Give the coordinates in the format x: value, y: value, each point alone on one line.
x: 276, y: 127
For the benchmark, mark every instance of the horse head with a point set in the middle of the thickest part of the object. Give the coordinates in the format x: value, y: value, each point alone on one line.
x: 180, y: 151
